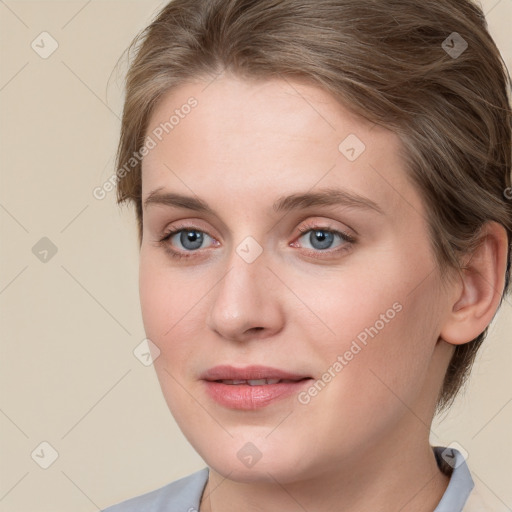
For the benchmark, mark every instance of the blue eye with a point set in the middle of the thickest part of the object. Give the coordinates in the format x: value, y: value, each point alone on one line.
x: 323, y: 238
x: 191, y: 239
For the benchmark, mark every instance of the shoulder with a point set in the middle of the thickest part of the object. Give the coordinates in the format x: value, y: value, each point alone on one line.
x: 183, y: 494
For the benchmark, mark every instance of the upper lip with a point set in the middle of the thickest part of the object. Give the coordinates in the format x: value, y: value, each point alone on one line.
x: 226, y: 372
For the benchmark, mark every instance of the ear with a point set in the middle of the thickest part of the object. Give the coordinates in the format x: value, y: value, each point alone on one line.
x: 478, y: 295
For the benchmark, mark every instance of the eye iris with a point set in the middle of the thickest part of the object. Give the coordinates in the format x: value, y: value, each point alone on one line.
x: 324, y: 237
x: 195, y: 237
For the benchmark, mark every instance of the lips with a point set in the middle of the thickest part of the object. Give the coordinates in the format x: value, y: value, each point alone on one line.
x: 251, y: 387
x: 249, y: 373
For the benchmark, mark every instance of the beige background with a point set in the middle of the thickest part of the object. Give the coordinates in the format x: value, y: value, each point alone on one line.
x: 68, y: 374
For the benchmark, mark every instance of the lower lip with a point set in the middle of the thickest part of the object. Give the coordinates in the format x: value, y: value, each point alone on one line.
x: 244, y: 396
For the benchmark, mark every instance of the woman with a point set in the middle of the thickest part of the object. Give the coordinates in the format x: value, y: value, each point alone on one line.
x: 322, y: 190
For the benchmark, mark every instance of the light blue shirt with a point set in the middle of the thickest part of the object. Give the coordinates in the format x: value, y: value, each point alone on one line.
x: 184, y: 495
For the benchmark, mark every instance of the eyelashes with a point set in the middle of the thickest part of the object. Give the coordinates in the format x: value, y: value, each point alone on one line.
x: 316, y: 230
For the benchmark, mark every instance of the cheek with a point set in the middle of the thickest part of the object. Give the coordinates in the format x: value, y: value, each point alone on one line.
x: 377, y: 362
x: 173, y: 311
x: 382, y: 324
x: 163, y: 304
x: 167, y: 315
x: 165, y: 297
x: 153, y: 298
x: 347, y: 305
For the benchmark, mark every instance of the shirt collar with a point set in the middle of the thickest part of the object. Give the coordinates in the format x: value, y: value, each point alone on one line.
x: 461, y: 484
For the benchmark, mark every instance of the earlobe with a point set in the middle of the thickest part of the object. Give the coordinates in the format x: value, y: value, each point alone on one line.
x: 483, y: 281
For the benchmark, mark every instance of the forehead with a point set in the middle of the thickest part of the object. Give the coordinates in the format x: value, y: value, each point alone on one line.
x: 256, y: 140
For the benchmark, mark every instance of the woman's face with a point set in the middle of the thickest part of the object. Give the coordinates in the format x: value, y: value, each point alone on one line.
x: 344, y: 294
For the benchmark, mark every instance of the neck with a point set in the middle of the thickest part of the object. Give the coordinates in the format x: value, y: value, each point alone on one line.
x: 390, y: 477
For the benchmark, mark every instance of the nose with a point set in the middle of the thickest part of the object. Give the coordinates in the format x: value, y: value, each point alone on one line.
x: 246, y: 302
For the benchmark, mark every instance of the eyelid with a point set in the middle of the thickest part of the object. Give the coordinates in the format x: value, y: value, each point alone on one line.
x: 184, y: 226
x: 324, y: 226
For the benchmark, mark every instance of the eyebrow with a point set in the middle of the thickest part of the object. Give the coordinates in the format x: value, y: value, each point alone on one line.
x: 324, y: 197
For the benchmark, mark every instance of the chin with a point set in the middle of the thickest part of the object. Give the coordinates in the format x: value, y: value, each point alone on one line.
x: 245, y: 461
x: 267, y: 472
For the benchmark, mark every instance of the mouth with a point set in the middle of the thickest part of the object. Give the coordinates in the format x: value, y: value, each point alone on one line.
x: 257, y: 382
x: 254, y: 375
x: 251, y: 387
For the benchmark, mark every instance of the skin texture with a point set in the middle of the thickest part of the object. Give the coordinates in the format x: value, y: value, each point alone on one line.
x: 362, y: 443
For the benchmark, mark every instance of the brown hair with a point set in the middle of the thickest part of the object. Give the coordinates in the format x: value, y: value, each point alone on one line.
x: 402, y: 63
